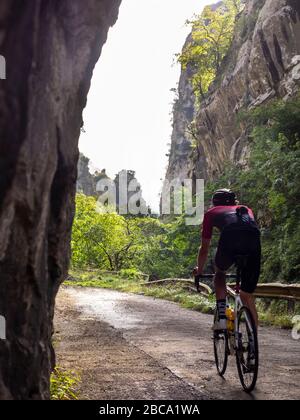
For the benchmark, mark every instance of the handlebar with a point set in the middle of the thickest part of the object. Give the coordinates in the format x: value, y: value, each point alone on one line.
x: 211, y: 276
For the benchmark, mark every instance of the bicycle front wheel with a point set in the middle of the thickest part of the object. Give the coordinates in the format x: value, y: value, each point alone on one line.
x: 220, y: 349
x: 247, y: 350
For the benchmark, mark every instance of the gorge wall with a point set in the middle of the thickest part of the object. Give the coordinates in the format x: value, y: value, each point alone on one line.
x: 183, y: 116
x: 87, y: 184
x: 50, y: 48
x: 263, y: 63
x: 85, y: 180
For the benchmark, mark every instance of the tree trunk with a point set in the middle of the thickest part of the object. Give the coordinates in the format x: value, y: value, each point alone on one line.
x: 50, y: 47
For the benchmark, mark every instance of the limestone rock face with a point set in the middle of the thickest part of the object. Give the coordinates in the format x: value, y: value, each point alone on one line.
x: 263, y: 63
x: 183, y: 115
x: 50, y: 48
x: 85, y: 181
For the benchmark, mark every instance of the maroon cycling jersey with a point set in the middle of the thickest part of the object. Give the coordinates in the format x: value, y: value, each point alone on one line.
x: 219, y: 217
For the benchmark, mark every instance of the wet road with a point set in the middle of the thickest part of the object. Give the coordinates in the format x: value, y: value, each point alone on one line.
x: 180, y: 340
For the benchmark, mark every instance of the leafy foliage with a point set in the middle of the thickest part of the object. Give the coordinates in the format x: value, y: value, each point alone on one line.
x: 102, y: 239
x: 212, y: 34
x: 173, y: 251
x: 63, y: 384
x: 113, y: 242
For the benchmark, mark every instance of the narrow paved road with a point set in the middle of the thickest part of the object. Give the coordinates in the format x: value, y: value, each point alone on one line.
x: 178, y: 341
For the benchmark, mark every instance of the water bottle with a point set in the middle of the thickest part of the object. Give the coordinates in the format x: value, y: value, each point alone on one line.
x: 230, y: 318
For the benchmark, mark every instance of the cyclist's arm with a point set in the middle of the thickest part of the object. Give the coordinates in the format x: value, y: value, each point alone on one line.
x: 202, y: 255
x: 207, y: 229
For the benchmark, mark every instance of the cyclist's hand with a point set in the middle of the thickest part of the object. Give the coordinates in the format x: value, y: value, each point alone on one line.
x: 196, y: 272
x: 197, y: 275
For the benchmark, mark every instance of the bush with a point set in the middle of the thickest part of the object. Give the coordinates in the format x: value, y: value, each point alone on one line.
x: 63, y: 384
x: 131, y: 274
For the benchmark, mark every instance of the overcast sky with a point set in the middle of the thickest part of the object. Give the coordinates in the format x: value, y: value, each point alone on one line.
x: 127, y: 119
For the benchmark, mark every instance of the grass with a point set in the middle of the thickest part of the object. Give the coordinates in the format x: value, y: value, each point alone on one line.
x: 63, y: 384
x: 270, y: 312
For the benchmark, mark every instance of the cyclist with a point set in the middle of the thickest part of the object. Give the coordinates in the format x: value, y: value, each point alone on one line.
x: 240, y: 235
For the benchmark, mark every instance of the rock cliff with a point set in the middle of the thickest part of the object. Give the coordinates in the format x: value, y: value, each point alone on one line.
x: 85, y: 180
x: 263, y: 63
x: 87, y: 183
x: 50, y: 48
x: 183, y: 116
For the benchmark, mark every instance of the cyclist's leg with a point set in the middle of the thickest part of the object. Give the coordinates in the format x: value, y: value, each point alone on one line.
x: 223, y: 262
x: 249, y: 301
x: 250, y: 276
x: 220, y: 284
x: 220, y: 288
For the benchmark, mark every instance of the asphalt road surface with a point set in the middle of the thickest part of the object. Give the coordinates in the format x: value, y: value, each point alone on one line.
x: 134, y: 347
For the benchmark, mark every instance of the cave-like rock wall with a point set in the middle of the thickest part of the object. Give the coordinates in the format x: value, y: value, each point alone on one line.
x: 85, y: 181
x: 50, y: 47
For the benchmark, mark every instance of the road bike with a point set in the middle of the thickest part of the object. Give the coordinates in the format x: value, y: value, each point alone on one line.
x: 240, y: 337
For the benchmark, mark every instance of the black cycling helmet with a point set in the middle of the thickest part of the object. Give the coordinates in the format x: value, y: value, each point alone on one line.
x: 224, y: 197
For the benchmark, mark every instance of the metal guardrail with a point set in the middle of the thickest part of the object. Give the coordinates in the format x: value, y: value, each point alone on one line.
x: 276, y: 291
x: 204, y: 288
x: 264, y: 290
x: 289, y: 292
x: 91, y: 269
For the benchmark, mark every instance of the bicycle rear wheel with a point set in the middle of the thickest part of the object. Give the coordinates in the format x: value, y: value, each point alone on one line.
x: 247, y: 357
x: 220, y: 349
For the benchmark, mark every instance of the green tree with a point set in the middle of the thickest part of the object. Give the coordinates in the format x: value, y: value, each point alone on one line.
x: 212, y: 34
x: 102, y: 239
x: 83, y: 253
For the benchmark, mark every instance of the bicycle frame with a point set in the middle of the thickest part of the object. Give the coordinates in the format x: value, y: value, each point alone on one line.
x: 238, y: 304
x: 232, y: 340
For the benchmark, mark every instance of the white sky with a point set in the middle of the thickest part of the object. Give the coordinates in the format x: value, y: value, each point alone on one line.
x: 127, y: 119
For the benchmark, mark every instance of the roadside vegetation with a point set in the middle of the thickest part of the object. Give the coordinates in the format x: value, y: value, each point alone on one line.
x: 211, y: 38
x: 63, y: 384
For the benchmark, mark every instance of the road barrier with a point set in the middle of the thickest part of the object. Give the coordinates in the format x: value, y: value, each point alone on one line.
x: 186, y: 283
x: 289, y: 292
x: 276, y: 291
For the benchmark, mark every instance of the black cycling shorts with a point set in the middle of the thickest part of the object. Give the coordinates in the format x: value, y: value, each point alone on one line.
x: 241, y: 242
